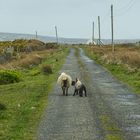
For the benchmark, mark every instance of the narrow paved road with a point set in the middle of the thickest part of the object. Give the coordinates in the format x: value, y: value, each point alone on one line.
x: 110, y: 112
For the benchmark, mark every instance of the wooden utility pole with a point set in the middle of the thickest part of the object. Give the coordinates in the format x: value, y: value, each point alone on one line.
x: 56, y: 34
x: 112, y: 29
x: 36, y: 34
x: 99, y: 40
x: 93, y: 33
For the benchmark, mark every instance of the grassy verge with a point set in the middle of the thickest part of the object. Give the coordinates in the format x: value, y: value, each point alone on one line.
x: 128, y: 72
x: 22, y: 104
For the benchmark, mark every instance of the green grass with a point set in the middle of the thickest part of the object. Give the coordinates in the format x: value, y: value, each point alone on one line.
x: 121, y: 72
x: 113, y: 137
x: 22, y: 104
x: 132, y: 79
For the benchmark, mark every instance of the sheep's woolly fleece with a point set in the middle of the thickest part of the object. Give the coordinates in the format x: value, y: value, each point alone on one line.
x: 62, y: 77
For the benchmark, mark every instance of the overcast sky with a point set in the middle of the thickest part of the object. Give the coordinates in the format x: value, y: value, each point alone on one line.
x: 73, y: 18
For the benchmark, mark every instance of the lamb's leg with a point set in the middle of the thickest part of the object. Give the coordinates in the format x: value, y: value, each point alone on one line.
x: 74, y: 92
x: 80, y: 92
x: 85, y: 91
x: 77, y: 91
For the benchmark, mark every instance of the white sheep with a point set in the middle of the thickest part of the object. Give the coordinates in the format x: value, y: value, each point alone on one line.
x: 65, y: 81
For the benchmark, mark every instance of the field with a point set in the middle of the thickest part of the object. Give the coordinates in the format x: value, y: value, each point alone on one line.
x: 22, y: 103
x: 23, y: 100
x: 124, y: 63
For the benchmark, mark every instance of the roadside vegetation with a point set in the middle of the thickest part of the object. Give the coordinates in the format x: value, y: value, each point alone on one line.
x: 24, y: 45
x: 24, y: 86
x: 13, y: 50
x: 124, y: 63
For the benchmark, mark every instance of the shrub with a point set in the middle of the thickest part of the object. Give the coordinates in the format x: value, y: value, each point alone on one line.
x: 9, y: 76
x: 35, y: 72
x: 2, y: 107
x: 47, y: 69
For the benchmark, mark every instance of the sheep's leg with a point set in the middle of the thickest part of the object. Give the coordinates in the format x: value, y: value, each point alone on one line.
x: 63, y: 89
x: 66, y: 91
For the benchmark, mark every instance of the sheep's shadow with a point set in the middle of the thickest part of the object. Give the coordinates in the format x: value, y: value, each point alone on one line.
x: 61, y: 95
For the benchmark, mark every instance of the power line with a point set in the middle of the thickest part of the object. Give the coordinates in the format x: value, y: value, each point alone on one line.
x: 125, y: 5
x: 118, y: 12
x: 125, y: 9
